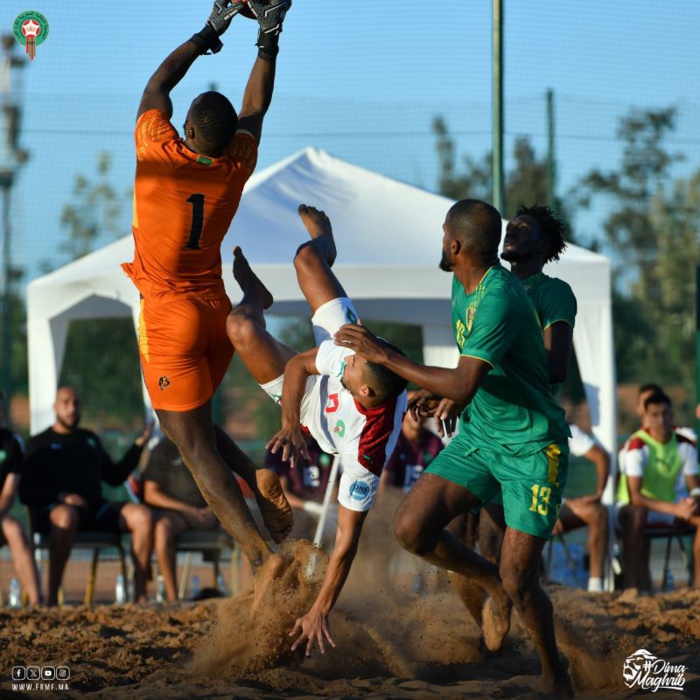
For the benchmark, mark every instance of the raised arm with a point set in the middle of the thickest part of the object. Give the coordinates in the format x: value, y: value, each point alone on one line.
x: 175, y: 66
x: 258, y: 92
x: 458, y: 384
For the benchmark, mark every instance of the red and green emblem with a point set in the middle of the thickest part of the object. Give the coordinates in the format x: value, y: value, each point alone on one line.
x: 30, y: 29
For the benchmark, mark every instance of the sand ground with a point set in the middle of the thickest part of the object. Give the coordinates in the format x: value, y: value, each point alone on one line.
x: 391, y: 642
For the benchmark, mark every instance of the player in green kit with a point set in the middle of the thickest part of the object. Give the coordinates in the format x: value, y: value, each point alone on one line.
x: 512, y: 435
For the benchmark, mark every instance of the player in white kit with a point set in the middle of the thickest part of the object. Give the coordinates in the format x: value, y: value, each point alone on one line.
x: 353, y: 408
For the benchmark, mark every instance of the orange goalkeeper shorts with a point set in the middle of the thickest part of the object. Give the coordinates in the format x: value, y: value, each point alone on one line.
x: 184, y: 350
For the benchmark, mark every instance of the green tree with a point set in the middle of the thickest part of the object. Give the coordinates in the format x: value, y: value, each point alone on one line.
x: 651, y: 229
x: 101, y: 358
x: 526, y: 183
x: 95, y: 212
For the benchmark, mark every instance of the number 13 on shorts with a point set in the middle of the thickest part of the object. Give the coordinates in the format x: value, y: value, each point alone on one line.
x: 540, y: 499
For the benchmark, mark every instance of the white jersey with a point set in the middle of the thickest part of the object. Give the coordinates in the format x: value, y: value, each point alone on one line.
x: 580, y: 442
x: 364, y: 439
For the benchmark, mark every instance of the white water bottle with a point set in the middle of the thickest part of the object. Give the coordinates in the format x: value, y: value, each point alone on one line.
x: 160, y: 588
x: 14, y: 596
x: 195, y: 589
x: 120, y: 591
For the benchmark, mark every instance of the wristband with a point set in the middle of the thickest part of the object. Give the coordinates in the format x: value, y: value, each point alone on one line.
x: 695, y: 492
x: 268, y: 46
x: 207, y: 40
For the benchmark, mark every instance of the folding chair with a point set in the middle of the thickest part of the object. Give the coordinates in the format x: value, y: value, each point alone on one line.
x: 212, y: 544
x: 671, y: 533
x: 94, y: 540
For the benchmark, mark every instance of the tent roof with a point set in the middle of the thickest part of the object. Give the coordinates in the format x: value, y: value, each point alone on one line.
x: 383, y: 227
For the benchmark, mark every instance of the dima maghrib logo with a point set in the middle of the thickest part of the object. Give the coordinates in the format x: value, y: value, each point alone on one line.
x: 648, y: 672
x: 40, y: 678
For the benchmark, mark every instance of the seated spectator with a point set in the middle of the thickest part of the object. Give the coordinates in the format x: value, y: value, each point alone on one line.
x: 588, y: 510
x: 305, y: 486
x: 643, y: 393
x: 11, y: 530
x: 169, y: 487
x: 415, y: 449
x: 651, y: 490
x: 63, y: 471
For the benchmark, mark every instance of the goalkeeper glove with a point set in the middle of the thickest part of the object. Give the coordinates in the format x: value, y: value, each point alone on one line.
x: 270, y: 19
x: 221, y: 15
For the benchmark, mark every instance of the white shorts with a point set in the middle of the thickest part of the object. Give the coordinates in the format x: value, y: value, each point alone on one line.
x: 329, y: 317
x: 358, y: 488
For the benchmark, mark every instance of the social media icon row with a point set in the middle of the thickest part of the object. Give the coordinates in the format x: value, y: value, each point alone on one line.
x: 45, y: 673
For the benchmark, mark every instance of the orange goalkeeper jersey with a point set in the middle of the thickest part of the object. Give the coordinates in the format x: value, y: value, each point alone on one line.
x: 183, y: 206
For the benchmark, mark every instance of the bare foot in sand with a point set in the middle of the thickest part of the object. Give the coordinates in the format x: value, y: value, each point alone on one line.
x: 495, y: 620
x: 557, y: 686
x: 273, y: 504
x: 253, y: 289
x: 319, y: 227
x: 272, y: 570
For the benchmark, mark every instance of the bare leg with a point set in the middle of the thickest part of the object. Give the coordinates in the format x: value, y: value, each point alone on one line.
x: 64, y: 525
x: 264, y: 483
x: 193, y: 433
x: 420, y: 528
x: 636, y: 550
x: 695, y: 521
x: 492, y: 528
x: 520, y: 566
x: 579, y: 513
x: 138, y: 520
x: 167, y: 528
x: 25, y: 566
x: 314, y: 259
x: 264, y: 357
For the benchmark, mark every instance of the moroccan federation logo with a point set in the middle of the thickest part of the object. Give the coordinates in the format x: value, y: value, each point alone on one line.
x: 30, y: 28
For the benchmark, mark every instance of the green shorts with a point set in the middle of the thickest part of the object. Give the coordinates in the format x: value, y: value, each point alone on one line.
x: 531, y: 486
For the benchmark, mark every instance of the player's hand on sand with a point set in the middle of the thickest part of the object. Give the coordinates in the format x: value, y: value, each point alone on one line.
x: 314, y: 629
x: 291, y: 441
x: 359, y: 339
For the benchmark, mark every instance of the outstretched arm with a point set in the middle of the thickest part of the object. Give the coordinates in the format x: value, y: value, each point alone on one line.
x: 458, y: 384
x: 314, y: 625
x: 257, y: 96
x: 175, y: 66
x: 169, y: 74
x: 258, y: 91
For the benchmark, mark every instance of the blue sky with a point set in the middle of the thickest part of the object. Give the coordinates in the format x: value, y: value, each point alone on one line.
x: 360, y: 79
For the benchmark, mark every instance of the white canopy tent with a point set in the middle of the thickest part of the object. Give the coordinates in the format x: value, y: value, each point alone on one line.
x: 389, y: 237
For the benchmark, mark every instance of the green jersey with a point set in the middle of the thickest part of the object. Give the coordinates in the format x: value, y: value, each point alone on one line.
x: 552, y: 298
x: 513, y: 407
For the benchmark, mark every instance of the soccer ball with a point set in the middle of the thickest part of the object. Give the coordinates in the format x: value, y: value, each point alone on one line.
x: 246, y: 11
